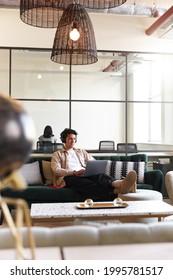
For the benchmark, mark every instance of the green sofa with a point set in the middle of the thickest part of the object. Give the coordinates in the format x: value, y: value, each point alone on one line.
x: 40, y: 193
x: 153, y: 179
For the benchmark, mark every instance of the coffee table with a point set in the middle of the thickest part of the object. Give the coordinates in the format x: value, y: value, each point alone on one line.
x: 68, y: 211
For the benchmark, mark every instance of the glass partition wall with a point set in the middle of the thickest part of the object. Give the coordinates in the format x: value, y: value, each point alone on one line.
x: 124, y: 97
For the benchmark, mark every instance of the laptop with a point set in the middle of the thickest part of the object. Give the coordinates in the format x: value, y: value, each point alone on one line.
x: 95, y: 167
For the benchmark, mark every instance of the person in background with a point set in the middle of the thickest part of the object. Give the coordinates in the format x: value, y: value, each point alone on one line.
x: 47, y: 135
x: 68, y: 166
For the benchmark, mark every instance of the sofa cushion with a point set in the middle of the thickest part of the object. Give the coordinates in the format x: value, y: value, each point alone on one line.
x: 135, y: 158
x: 47, y: 172
x: 87, y: 235
x: 120, y: 169
x: 31, y: 173
x: 42, y: 194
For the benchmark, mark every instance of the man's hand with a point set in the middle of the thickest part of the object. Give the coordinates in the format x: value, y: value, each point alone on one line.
x: 79, y: 172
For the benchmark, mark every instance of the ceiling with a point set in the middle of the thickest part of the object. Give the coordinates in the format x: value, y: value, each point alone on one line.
x: 131, y: 7
x: 147, y: 8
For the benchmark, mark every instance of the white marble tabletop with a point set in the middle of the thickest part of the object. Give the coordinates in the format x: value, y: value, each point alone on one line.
x: 69, y: 211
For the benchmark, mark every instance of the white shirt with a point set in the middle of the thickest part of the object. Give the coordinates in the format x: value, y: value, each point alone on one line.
x: 73, y: 161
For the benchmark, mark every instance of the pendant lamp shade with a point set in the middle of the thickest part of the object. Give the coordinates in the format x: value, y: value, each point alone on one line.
x: 76, y: 52
x: 101, y: 4
x: 41, y: 13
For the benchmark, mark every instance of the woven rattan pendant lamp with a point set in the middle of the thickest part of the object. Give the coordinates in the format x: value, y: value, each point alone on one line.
x: 78, y: 51
x: 101, y: 4
x: 41, y: 13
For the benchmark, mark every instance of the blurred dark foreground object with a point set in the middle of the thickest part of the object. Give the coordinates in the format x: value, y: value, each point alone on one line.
x: 16, y: 137
x: 17, y: 133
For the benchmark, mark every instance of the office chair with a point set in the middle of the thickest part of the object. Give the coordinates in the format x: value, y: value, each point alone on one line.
x: 58, y: 146
x: 106, y: 145
x: 47, y: 146
x: 38, y: 145
x: 127, y: 147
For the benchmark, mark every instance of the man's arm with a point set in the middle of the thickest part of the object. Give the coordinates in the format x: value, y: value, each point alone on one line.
x: 59, y: 165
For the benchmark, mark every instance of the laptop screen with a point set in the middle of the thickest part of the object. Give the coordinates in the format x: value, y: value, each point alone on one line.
x: 95, y: 167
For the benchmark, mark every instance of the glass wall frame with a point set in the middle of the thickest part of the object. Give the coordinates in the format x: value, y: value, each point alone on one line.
x: 125, y: 97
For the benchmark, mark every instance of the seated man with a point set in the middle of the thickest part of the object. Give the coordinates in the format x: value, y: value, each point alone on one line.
x: 69, y: 163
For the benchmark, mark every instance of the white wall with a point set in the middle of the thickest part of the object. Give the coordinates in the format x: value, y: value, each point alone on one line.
x: 113, y: 32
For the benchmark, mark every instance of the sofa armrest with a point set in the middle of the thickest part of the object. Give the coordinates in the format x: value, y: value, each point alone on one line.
x: 154, y: 178
x: 169, y: 184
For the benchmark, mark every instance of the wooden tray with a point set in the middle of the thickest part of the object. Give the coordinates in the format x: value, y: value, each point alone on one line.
x: 101, y: 205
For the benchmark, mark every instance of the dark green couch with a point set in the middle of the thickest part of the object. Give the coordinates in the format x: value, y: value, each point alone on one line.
x: 153, y: 179
x: 44, y: 194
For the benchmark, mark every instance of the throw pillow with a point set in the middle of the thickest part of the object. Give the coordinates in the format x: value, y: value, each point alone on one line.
x: 31, y: 173
x: 47, y: 172
x: 120, y: 169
